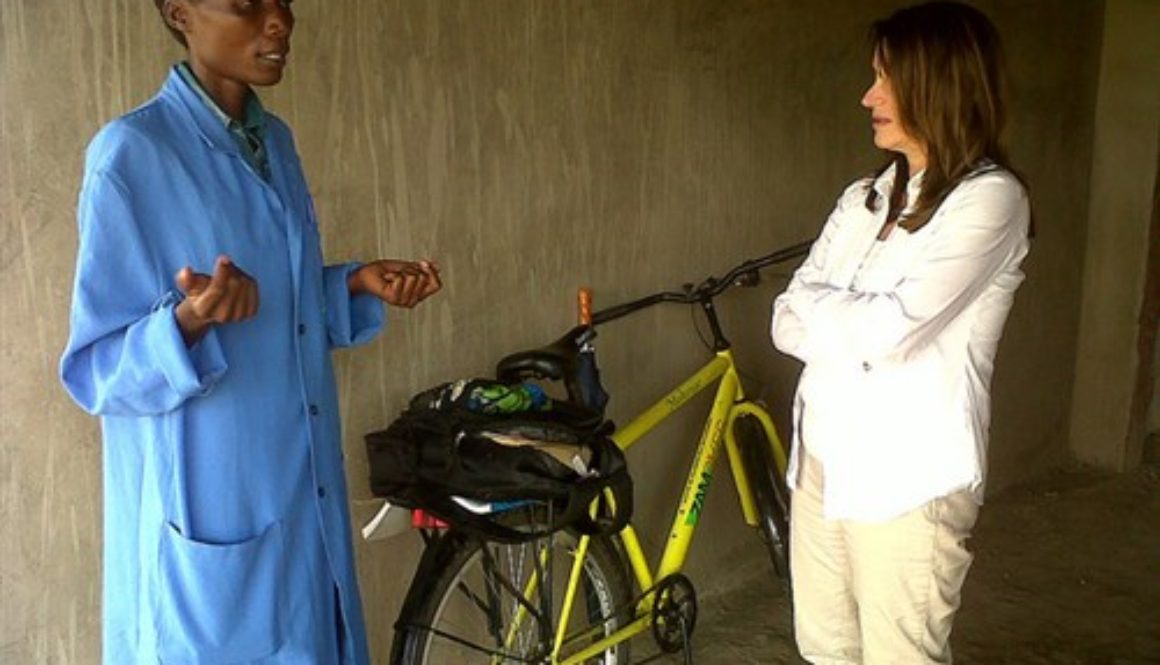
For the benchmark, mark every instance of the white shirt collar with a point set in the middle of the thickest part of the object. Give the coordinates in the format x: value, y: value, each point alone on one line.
x: 884, y: 185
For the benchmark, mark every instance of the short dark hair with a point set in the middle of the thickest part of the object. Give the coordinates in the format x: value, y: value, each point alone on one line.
x: 173, y: 31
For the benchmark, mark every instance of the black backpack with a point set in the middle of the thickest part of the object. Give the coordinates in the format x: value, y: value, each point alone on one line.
x: 468, y: 465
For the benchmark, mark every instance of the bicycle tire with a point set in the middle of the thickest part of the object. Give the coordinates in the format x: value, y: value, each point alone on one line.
x: 769, y: 492
x: 464, y: 606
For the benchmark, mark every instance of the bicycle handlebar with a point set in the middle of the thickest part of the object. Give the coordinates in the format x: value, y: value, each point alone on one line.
x: 708, y: 289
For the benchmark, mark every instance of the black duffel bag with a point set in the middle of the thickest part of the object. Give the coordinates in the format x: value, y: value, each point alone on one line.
x: 467, y: 462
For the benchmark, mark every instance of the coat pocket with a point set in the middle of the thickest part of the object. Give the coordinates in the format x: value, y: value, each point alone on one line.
x: 219, y: 603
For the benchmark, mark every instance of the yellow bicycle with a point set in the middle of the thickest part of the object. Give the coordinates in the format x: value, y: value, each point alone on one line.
x: 571, y: 598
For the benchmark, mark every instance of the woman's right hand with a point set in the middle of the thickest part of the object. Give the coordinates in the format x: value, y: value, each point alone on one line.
x: 227, y: 296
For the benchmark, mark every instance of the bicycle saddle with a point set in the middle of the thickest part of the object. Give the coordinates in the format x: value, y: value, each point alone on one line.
x: 556, y: 361
x: 562, y: 361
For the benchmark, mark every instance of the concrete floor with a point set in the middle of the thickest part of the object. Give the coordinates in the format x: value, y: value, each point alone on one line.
x: 1067, y: 572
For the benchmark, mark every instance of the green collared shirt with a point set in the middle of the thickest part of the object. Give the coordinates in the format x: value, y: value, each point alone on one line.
x: 249, y: 134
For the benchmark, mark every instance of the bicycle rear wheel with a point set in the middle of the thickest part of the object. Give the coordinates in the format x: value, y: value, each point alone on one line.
x: 769, y: 491
x: 487, y: 602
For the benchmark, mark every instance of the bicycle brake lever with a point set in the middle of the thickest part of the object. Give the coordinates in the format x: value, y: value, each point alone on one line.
x: 708, y: 287
x: 748, y: 278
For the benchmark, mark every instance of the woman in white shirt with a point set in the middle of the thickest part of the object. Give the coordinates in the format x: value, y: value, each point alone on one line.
x: 896, y: 314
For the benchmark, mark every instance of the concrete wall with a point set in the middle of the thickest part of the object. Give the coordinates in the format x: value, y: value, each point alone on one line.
x: 531, y: 146
x: 1114, y: 367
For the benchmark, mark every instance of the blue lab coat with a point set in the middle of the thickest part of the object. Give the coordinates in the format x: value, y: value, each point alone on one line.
x: 227, y: 530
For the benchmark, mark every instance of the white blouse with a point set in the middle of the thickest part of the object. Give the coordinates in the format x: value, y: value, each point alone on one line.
x: 898, y: 337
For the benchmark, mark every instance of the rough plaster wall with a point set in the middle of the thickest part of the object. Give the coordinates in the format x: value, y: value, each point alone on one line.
x: 1123, y: 181
x: 530, y: 146
x: 1053, y: 49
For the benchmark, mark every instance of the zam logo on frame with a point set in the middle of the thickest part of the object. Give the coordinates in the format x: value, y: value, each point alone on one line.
x: 699, y: 499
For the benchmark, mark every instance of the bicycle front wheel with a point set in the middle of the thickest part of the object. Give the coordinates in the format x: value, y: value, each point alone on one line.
x: 769, y: 491
x: 499, y: 603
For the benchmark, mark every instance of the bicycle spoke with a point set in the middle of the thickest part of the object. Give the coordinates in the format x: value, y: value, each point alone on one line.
x: 494, y: 653
x: 605, y: 625
x: 502, y: 605
x: 507, y: 585
x: 543, y: 571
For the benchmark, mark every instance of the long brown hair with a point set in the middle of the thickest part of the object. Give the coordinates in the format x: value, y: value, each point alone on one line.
x: 946, y: 66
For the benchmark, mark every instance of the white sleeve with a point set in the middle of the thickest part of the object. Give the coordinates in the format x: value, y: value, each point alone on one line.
x: 981, y: 229
x: 787, y: 329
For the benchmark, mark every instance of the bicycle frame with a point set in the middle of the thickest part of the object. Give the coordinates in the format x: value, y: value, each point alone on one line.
x: 728, y: 404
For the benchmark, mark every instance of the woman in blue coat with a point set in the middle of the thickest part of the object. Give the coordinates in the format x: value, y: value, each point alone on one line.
x: 201, y: 326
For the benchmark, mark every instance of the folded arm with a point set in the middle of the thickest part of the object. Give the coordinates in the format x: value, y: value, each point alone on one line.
x: 982, y: 229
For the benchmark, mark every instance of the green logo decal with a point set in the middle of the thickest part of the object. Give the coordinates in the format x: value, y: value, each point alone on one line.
x: 699, y: 498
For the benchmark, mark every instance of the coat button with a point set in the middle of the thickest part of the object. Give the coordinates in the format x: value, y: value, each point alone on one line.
x: 301, y: 328
x: 314, y: 409
x: 321, y: 492
x: 866, y: 367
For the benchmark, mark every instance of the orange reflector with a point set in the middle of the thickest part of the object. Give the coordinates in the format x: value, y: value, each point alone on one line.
x: 584, y: 300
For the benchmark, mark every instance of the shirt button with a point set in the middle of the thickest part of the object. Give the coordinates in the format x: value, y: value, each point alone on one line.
x: 866, y: 367
x: 301, y: 328
x: 314, y: 409
x: 321, y: 492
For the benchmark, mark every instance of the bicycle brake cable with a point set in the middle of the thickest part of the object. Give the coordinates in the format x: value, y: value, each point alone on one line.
x: 697, y: 326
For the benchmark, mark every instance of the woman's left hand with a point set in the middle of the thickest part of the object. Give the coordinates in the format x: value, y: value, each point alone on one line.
x: 398, y: 283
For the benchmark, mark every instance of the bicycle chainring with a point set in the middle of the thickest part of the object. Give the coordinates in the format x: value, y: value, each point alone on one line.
x: 674, y: 613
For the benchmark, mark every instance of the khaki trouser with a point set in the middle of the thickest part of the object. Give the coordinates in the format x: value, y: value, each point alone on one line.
x: 881, y: 593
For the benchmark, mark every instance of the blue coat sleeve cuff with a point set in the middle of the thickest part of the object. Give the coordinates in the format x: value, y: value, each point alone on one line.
x: 142, y: 369
x: 190, y: 371
x: 350, y: 320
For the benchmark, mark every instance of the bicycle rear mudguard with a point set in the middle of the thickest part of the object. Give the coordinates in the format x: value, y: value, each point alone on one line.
x: 437, y: 556
x: 388, y: 522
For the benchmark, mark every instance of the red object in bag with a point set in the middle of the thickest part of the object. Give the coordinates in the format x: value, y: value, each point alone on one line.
x: 420, y: 519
